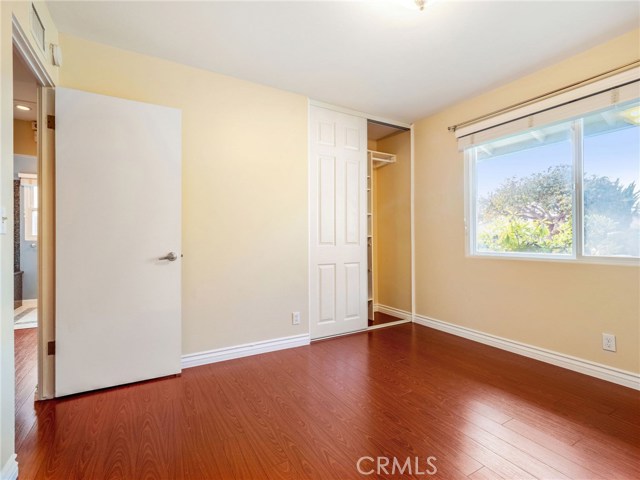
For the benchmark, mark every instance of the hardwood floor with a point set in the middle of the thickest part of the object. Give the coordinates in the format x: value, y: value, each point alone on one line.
x: 380, y: 318
x: 26, y: 380
x: 312, y: 412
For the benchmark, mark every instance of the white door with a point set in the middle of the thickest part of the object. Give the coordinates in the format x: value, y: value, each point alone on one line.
x: 118, y: 209
x: 338, y: 216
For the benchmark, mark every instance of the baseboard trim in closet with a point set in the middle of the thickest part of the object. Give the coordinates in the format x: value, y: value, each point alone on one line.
x: 394, y: 312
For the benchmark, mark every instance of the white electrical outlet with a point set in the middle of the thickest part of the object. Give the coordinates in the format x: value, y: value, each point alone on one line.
x: 609, y: 342
x: 295, y: 318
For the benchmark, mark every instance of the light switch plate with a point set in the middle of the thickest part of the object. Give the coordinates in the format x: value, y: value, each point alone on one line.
x: 3, y: 223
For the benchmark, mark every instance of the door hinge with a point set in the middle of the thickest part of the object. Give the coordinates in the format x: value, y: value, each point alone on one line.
x: 51, y: 348
x: 51, y: 122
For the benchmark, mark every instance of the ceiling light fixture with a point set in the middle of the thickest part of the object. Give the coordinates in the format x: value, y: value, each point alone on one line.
x: 632, y: 115
x: 420, y: 4
x: 23, y: 107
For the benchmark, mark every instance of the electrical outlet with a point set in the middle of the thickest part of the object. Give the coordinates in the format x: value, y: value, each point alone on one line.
x: 609, y: 342
x: 295, y: 318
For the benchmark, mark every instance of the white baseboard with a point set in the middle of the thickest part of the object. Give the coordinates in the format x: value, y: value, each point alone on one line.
x: 10, y: 469
x: 603, y: 372
x: 405, y: 317
x: 395, y: 312
x: 228, y: 353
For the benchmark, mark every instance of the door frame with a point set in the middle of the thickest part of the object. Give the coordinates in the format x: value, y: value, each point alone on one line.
x: 46, y: 241
x: 312, y: 177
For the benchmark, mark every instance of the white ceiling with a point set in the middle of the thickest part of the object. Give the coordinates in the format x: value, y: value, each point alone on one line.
x: 372, y: 56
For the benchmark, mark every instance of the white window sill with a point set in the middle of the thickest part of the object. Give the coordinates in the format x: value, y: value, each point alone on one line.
x: 617, y: 261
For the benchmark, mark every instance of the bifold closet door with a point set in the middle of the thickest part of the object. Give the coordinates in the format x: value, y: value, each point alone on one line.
x: 118, y: 241
x: 338, y: 228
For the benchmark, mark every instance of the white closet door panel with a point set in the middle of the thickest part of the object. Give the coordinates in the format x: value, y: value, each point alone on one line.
x: 327, y: 200
x: 326, y: 133
x: 352, y: 208
x: 353, y: 286
x: 327, y: 294
x: 338, y: 252
x: 352, y: 139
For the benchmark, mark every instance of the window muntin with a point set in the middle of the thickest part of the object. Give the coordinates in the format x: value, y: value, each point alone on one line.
x: 523, y: 189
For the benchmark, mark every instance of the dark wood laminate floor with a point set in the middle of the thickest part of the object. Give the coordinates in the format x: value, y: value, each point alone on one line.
x: 380, y: 318
x: 311, y: 412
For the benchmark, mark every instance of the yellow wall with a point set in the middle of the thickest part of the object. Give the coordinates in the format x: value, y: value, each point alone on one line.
x: 23, y: 138
x: 393, y: 224
x: 244, y: 191
x: 562, y: 307
x: 20, y: 11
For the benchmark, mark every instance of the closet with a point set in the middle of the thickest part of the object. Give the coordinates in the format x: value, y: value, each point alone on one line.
x: 388, y: 223
x: 374, y: 160
x: 359, y: 223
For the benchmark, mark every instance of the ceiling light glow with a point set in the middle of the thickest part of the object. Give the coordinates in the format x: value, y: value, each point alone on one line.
x: 632, y: 115
x: 23, y: 108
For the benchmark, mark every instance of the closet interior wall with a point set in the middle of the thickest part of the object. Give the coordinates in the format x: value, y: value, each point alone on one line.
x: 391, y: 227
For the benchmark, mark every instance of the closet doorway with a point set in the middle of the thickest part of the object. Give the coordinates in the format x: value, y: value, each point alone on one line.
x: 360, y: 222
x: 389, y: 277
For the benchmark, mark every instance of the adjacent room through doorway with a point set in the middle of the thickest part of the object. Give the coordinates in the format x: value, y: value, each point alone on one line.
x: 25, y: 260
x: 25, y: 195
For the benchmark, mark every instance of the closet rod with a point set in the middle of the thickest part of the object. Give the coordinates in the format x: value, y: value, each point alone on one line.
x: 551, y: 93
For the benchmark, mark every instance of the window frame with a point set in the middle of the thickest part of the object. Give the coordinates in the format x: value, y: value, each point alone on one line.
x: 577, y: 250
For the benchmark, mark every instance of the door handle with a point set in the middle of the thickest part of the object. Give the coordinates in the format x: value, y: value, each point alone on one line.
x: 172, y: 257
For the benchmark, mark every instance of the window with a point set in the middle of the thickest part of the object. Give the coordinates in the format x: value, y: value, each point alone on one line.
x: 30, y: 212
x: 566, y: 190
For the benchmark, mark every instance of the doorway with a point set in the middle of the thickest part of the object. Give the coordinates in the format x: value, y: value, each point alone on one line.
x: 389, y: 224
x: 360, y: 222
x: 25, y: 195
x: 26, y: 236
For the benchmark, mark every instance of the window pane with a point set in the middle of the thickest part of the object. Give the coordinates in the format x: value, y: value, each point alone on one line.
x: 611, y: 180
x: 34, y: 223
x: 524, y: 193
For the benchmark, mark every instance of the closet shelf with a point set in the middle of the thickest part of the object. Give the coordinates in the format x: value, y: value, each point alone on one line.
x: 380, y: 159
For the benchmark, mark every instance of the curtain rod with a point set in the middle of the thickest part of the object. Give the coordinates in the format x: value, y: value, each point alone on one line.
x: 551, y: 93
